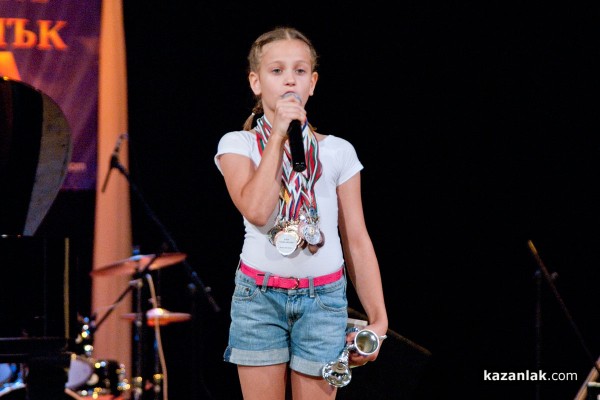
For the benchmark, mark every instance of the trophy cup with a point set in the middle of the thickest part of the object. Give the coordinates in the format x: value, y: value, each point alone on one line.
x: 337, y: 373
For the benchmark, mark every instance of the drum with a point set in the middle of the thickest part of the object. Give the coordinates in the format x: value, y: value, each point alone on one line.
x: 93, y: 378
x: 7, y: 373
x: 80, y: 370
x: 10, y: 375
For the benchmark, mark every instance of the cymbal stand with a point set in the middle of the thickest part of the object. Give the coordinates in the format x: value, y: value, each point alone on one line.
x: 138, y: 379
x: 138, y: 283
x: 160, y: 376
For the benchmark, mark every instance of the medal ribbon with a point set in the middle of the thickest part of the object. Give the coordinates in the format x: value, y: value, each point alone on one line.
x: 297, y: 194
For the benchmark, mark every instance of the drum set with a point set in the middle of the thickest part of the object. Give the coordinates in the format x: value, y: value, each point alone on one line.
x: 87, y: 377
x: 104, y: 379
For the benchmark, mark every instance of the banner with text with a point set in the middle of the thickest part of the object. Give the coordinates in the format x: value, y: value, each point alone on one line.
x: 53, y: 46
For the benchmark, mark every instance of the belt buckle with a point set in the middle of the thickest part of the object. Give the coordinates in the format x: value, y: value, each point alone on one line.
x: 297, y: 283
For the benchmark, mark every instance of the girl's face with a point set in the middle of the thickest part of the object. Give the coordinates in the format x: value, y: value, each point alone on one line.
x: 285, y: 66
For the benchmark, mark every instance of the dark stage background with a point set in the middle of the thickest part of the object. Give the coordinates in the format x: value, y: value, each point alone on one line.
x: 477, y: 125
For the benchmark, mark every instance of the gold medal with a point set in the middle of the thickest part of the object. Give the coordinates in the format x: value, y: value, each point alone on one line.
x: 273, y: 232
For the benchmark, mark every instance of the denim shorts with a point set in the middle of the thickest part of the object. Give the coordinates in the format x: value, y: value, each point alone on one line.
x: 305, y: 327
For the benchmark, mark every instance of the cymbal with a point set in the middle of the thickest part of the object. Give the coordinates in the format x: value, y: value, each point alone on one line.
x: 163, y: 316
x: 132, y: 264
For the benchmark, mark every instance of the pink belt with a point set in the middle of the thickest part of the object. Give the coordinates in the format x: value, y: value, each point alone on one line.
x: 289, y: 282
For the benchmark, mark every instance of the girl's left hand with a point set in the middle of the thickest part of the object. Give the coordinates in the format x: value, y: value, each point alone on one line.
x: 358, y: 359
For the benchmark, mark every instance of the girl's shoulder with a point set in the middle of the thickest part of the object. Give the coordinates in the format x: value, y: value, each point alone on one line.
x: 239, y: 134
x: 238, y: 138
x: 332, y: 141
x: 320, y: 137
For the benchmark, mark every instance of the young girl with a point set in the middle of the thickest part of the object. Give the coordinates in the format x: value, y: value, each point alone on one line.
x: 305, y: 234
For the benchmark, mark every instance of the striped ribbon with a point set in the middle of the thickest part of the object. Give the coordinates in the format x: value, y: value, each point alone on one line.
x: 297, y: 192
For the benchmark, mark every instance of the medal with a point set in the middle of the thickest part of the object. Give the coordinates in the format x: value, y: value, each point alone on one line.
x: 311, y: 233
x: 313, y: 248
x: 287, y: 239
x: 273, y: 232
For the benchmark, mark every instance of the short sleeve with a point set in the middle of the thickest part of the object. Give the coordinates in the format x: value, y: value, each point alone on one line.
x: 350, y: 164
x: 237, y: 142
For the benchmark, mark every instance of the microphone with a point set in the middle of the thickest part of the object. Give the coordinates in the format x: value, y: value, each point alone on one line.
x: 294, y: 133
x: 296, y: 146
x: 114, y: 158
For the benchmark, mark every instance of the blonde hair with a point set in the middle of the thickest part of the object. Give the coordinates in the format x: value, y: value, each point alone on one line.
x: 255, y: 54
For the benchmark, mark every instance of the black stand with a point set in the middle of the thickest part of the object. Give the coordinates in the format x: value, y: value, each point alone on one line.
x: 140, y: 322
x: 195, y: 280
x: 543, y: 271
x: 169, y: 240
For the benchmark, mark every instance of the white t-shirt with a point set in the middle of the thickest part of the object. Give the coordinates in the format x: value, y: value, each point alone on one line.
x: 339, y: 162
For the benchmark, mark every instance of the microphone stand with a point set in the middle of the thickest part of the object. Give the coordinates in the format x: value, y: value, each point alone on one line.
x: 550, y: 281
x: 192, y: 274
x: 195, y: 280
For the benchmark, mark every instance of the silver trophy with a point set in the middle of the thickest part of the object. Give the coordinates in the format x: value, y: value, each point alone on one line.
x: 337, y: 373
